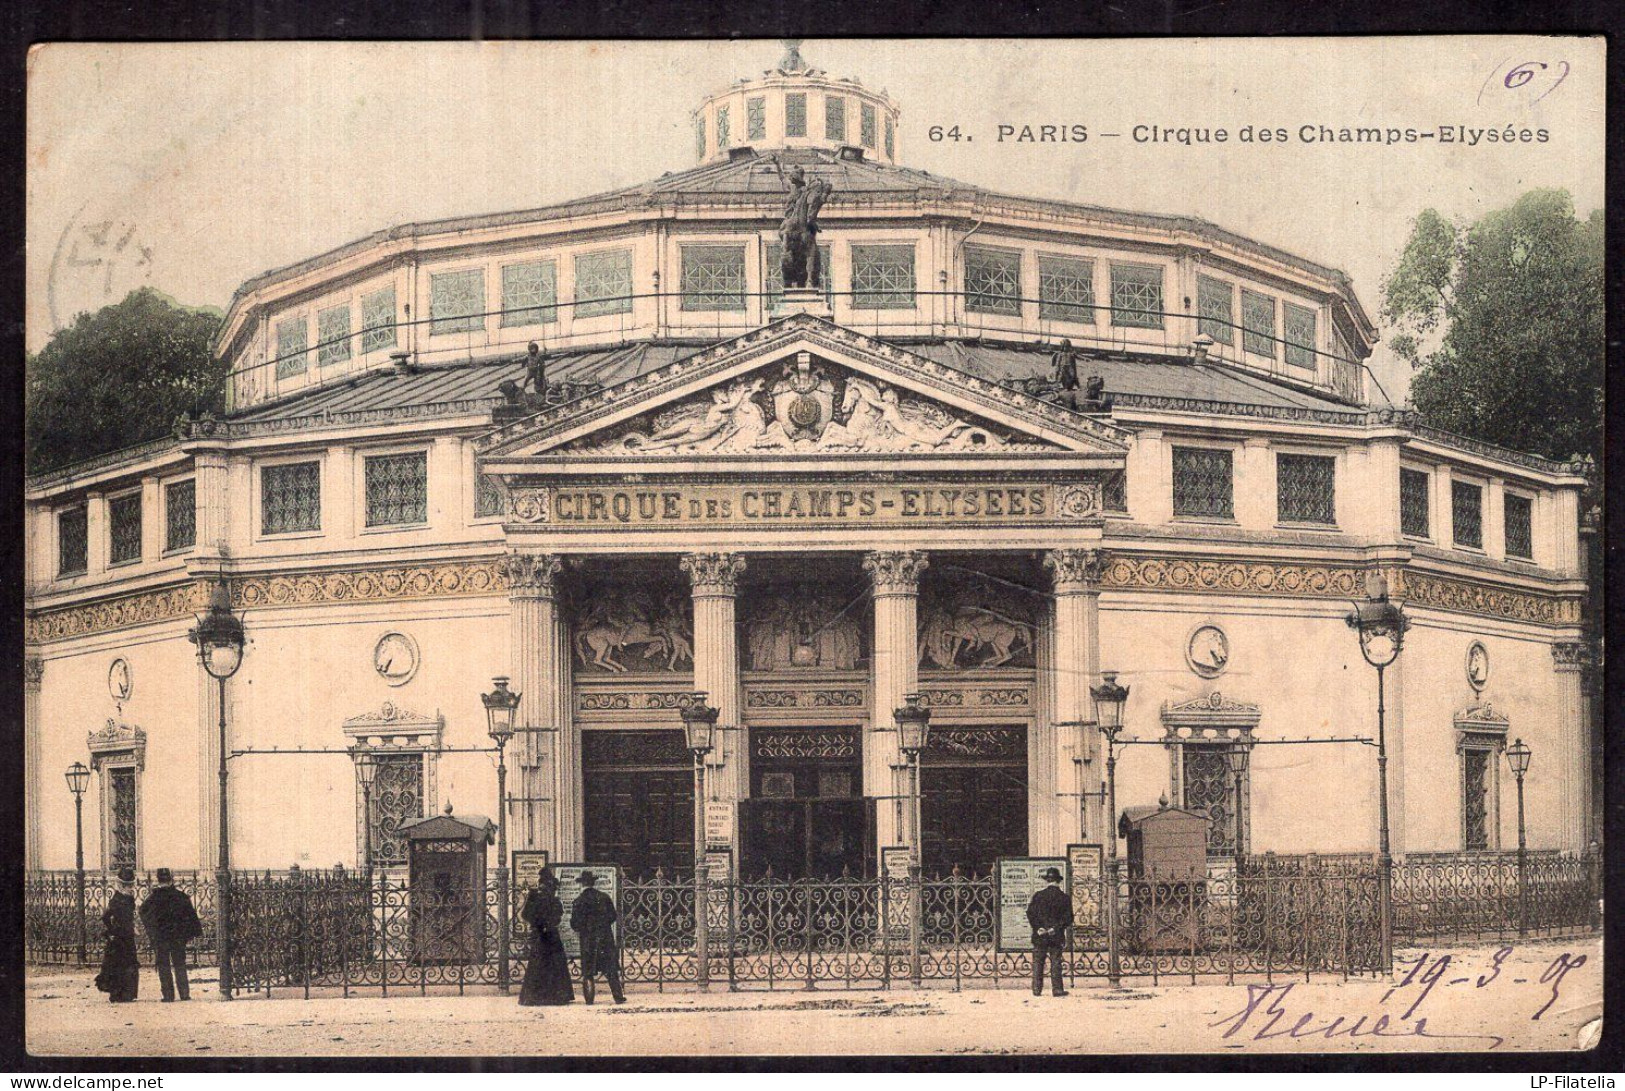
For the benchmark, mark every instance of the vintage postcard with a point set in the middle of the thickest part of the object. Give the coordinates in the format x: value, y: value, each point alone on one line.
x: 839, y: 547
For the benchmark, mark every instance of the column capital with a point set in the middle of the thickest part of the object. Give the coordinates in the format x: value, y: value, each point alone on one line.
x: 33, y: 672
x: 714, y: 574
x: 532, y: 574
x: 896, y: 572
x: 1570, y: 655
x: 1075, y: 570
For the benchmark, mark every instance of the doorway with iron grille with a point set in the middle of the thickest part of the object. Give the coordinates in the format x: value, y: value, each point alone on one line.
x: 806, y: 817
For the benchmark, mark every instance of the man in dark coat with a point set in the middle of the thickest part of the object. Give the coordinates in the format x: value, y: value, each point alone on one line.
x: 171, y: 924
x: 1050, y: 914
x: 593, y: 920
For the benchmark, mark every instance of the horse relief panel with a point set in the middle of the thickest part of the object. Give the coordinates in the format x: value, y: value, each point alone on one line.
x: 803, y: 405
x: 970, y: 623
x: 638, y: 629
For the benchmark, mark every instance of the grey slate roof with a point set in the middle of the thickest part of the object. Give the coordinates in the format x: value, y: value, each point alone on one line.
x: 472, y: 387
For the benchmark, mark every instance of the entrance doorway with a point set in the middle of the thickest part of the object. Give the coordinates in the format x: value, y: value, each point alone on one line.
x: 806, y: 817
x: 638, y: 810
x: 973, y: 799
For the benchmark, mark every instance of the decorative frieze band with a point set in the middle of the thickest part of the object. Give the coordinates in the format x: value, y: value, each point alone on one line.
x: 1075, y: 570
x: 896, y: 572
x: 533, y: 574
x: 714, y: 574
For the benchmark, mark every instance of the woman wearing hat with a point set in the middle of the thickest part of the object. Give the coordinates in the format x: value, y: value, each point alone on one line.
x: 120, y: 977
x: 547, y: 974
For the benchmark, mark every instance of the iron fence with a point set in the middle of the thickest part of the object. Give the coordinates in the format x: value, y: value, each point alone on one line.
x: 1268, y: 915
x: 52, y: 929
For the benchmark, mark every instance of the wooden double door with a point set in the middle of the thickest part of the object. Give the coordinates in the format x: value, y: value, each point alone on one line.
x: 638, y: 801
x: 806, y: 817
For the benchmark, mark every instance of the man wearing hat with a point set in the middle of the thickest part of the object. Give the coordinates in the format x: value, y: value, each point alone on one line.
x: 1050, y: 914
x: 593, y: 920
x: 171, y: 924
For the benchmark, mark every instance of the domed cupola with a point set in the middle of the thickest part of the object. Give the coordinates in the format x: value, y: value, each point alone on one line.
x: 796, y: 106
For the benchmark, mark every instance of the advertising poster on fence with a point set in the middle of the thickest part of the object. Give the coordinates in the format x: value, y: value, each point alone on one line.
x: 895, y: 867
x: 1083, y: 880
x: 609, y: 881
x: 1020, y: 877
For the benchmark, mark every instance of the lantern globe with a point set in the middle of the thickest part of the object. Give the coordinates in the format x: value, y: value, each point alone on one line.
x: 1518, y: 756
x: 699, y: 722
x: 913, y: 718
x: 1109, y: 701
x: 500, y: 705
x: 78, y: 778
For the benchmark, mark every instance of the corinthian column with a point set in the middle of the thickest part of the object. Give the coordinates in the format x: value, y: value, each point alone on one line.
x: 549, y: 759
x: 896, y: 666
x: 1572, y: 762
x: 33, y: 676
x: 715, y: 581
x: 1074, y: 666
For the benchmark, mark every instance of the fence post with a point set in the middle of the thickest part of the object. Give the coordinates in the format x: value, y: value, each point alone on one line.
x: 702, y: 938
x: 504, y: 924
x: 733, y: 930
x: 1594, y: 865
x: 1385, y: 910
x: 807, y: 930
x: 916, y: 910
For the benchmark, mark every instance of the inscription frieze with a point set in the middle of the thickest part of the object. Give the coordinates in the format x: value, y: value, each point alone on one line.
x: 919, y: 504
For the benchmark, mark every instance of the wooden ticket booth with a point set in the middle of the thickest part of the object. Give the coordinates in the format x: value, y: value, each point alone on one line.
x: 1167, y: 870
x: 446, y: 887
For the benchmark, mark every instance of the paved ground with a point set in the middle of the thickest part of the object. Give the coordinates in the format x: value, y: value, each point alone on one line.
x: 1476, y: 998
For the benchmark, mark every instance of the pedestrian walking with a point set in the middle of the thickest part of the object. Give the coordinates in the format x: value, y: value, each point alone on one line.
x: 547, y: 974
x: 1050, y: 914
x: 171, y: 923
x: 120, y: 976
x: 592, y: 918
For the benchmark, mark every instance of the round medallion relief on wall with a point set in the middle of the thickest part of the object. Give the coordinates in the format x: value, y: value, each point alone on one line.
x: 1207, y: 651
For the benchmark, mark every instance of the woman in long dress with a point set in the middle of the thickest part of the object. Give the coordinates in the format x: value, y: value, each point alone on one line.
x: 120, y: 976
x: 547, y: 975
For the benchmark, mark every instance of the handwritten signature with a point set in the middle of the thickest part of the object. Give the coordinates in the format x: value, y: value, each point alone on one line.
x: 1268, y: 1014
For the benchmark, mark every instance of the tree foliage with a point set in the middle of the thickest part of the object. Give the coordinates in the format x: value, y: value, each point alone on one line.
x: 118, y: 377
x: 1503, y: 321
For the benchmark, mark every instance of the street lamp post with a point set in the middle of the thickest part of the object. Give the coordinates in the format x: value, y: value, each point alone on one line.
x: 913, y: 721
x: 500, y: 706
x: 1109, y: 700
x: 1236, y: 756
x: 78, y: 778
x: 366, y: 770
x: 1381, y: 625
x: 219, y: 639
x: 699, y: 733
x: 1518, y: 755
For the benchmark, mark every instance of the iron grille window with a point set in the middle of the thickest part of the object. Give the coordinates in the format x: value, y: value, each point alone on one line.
x: 1137, y: 296
x: 992, y: 281
x: 123, y: 833
x: 1414, y: 486
x: 1258, y: 323
x: 890, y: 139
x: 1475, y: 798
x: 457, y: 301
x: 1114, y: 492
x: 835, y: 118
x: 378, y: 320
x: 604, y: 283
x: 1066, y: 289
x: 1203, y: 484
x: 1215, y: 309
x: 795, y: 115
x: 124, y: 521
x: 490, y: 498
x: 291, y: 498
x: 292, y: 341
x: 397, y: 489
x: 1467, y: 514
x: 1210, y: 789
x: 1519, y: 526
x: 333, y: 335
x: 1305, y: 488
x: 397, y: 798
x: 722, y: 127
x: 866, y: 125
x: 774, y: 279
x: 755, y: 119
x: 180, y: 515
x: 699, y: 136
x: 713, y: 278
x: 530, y: 293
x: 72, y: 541
x: 1298, y: 331
x: 883, y: 277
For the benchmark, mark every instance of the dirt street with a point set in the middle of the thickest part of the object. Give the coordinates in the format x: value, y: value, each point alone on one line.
x: 1544, y: 995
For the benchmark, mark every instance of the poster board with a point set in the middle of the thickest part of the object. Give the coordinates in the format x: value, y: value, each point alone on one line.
x: 609, y: 881
x: 896, y: 868
x: 527, y: 865
x: 719, y: 822
x: 719, y: 870
x: 1084, y: 871
x: 1018, y: 882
